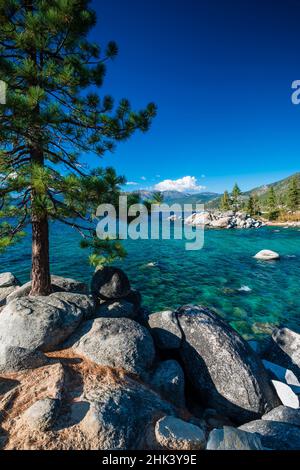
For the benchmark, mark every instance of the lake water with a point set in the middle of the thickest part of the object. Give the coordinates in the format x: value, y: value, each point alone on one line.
x: 254, y: 296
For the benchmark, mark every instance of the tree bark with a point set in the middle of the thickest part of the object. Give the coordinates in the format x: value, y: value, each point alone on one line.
x: 40, y: 273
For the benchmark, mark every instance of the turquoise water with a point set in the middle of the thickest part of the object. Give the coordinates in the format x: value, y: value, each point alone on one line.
x: 212, y: 276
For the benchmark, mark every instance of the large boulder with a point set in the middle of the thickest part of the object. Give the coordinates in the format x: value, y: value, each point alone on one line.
x: 165, y: 330
x: 43, y: 322
x: 212, y: 352
x: 109, y: 283
x: 5, y: 293
x: 168, y: 380
x: 275, y: 435
x: 230, y: 438
x: 14, y: 359
x: 122, y: 416
x: 58, y: 284
x: 284, y: 414
x: 284, y: 349
x: 174, y: 434
x: 115, y: 342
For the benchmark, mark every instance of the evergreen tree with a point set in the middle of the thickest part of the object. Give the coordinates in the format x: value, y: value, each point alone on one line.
x: 253, y: 207
x: 272, y: 204
x: 52, y: 116
x: 293, y: 195
x: 236, y: 192
x: 225, y: 202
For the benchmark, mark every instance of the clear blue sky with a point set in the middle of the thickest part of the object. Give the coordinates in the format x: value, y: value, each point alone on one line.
x: 221, y: 73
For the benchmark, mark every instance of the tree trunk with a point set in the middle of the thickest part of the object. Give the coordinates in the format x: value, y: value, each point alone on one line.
x: 40, y: 274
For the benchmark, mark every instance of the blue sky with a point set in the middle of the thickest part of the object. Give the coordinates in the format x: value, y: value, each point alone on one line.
x: 220, y: 73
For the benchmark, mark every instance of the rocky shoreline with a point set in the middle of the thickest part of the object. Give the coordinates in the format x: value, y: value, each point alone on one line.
x: 90, y: 368
x: 223, y: 220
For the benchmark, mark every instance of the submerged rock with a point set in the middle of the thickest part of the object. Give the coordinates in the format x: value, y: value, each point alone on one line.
x: 174, y: 434
x: 118, y: 342
x: 275, y: 435
x: 230, y: 438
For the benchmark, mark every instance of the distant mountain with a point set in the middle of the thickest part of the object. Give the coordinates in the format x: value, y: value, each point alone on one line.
x: 261, y: 192
x: 177, y: 197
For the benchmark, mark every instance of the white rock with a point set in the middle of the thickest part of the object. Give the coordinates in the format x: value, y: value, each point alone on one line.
x: 267, y: 255
x: 174, y: 434
x: 7, y: 280
x: 286, y: 394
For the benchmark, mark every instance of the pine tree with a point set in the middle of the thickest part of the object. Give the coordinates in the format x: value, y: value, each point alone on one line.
x: 225, y: 202
x: 236, y: 192
x: 52, y: 117
x: 250, y: 206
x: 272, y: 204
x: 293, y: 195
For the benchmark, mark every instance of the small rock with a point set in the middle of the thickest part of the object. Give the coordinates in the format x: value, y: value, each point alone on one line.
x: 275, y: 435
x: 230, y: 438
x: 5, y: 293
x: 8, y: 280
x: 267, y: 255
x: 286, y: 394
x: 110, y: 283
x: 42, y: 414
x: 168, y: 380
x: 284, y: 414
x: 174, y: 434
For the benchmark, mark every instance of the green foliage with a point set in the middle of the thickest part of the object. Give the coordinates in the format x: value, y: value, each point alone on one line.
x: 54, y: 115
x: 253, y: 207
x: 236, y: 193
x: 225, y: 204
x: 293, y: 195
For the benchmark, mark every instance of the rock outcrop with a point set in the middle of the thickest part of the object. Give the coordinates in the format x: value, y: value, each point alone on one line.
x: 221, y: 220
x: 212, y: 352
x: 85, y: 372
